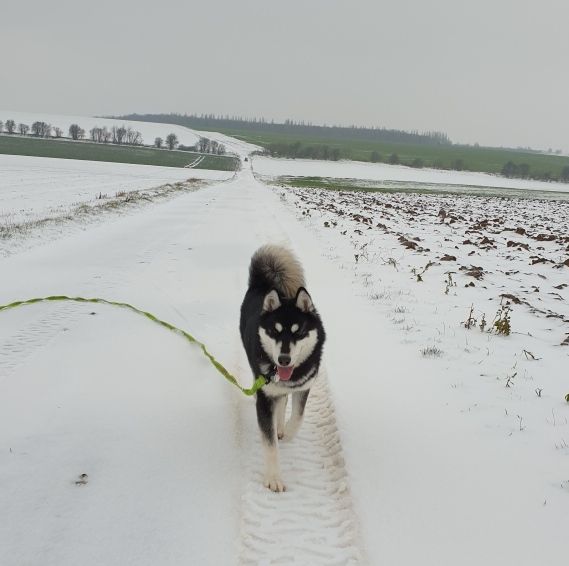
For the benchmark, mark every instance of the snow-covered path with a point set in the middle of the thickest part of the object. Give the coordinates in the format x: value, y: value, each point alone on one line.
x: 402, y: 459
x: 171, y: 452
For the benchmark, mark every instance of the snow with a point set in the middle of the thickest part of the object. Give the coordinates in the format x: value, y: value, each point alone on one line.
x: 383, y: 172
x: 31, y: 187
x: 149, y: 130
x: 232, y: 145
x: 403, y: 458
x: 447, y: 464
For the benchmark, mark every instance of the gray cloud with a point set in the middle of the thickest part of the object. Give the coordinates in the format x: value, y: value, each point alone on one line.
x: 492, y: 71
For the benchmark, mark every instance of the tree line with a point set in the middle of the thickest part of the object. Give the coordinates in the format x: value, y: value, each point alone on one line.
x: 237, y: 123
x: 118, y: 135
x: 297, y: 150
x: 523, y: 171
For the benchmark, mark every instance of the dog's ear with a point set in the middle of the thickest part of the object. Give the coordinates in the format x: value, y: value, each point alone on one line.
x: 303, y: 301
x: 271, y: 302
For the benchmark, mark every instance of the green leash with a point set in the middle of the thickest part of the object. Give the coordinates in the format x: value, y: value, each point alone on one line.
x: 259, y: 382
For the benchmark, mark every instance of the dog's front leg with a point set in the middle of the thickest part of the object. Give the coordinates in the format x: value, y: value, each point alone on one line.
x: 267, y: 408
x: 299, y: 399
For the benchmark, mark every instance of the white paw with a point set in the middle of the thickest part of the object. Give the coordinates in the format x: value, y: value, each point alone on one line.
x: 289, y: 433
x: 274, y: 483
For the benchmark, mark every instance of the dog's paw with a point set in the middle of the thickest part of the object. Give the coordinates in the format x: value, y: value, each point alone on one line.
x: 289, y: 433
x: 274, y: 483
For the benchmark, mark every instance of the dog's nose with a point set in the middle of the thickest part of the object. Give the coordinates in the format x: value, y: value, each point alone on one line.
x: 284, y: 360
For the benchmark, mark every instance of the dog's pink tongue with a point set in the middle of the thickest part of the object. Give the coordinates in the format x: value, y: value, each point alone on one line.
x: 284, y: 372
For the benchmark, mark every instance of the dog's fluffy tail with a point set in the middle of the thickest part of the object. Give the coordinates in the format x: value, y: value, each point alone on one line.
x: 276, y: 267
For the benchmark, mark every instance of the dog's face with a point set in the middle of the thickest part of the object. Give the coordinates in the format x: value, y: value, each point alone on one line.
x: 288, y: 330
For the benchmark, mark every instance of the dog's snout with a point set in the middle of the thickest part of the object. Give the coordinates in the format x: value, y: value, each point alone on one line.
x: 284, y: 360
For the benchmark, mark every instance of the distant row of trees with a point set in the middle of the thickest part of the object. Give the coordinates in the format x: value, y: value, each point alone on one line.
x: 118, y: 135
x: 417, y: 162
x: 204, y: 145
x: 298, y: 150
x: 246, y: 125
x: 523, y: 171
x: 171, y: 142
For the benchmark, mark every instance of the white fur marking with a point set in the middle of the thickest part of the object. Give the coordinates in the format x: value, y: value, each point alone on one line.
x: 299, y: 350
x: 279, y: 327
x: 294, y: 328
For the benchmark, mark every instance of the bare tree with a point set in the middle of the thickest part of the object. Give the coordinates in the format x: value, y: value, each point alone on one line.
x: 171, y: 141
x: 220, y: 149
x: 133, y: 137
x: 23, y: 128
x: 158, y: 142
x: 1, y: 126
x: 36, y: 128
x: 41, y: 129
x: 118, y: 133
x: 203, y: 145
x: 75, y: 131
x: 58, y: 132
x: 10, y: 126
x: 100, y: 135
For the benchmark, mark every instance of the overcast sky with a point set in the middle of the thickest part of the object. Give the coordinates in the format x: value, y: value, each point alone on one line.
x: 492, y: 71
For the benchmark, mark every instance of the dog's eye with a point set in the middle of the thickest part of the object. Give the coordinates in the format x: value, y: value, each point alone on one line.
x: 298, y: 331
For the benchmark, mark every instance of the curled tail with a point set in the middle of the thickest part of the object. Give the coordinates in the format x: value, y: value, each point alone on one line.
x: 276, y: 267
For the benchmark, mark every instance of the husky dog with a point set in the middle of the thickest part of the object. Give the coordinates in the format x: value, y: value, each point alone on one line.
x: 283, y: 336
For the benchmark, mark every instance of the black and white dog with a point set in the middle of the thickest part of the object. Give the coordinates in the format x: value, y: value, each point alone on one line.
x: 283, y: 336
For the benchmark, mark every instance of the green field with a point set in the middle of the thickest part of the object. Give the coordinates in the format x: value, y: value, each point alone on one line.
x: 17, y: 145
x: 485, y: 159
x: 320, y: 142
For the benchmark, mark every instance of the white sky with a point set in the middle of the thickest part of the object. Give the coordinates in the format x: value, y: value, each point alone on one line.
x: 492, y: 71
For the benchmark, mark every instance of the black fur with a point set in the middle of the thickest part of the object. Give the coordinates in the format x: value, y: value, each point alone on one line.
x: 263, y: 278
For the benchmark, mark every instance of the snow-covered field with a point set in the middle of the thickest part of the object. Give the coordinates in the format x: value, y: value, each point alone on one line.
x: 383, y: 172
x: 35, y: 187
x: 149, y: 130
x: 469, y: 442
x: 426, y: 442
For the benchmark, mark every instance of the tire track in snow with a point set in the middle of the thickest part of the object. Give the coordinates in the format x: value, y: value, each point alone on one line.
x: 195, y: 162
x: 313, y: 522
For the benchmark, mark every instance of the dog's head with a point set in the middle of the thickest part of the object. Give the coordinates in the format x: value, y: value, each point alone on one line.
x: 288, y: 330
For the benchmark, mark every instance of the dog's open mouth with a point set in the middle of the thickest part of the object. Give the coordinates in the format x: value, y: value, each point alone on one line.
x: 284, y: 373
